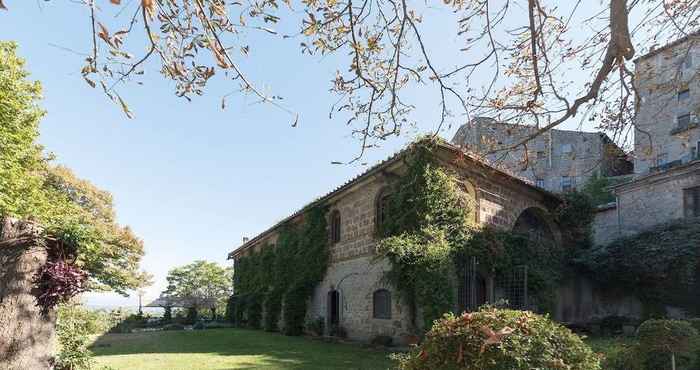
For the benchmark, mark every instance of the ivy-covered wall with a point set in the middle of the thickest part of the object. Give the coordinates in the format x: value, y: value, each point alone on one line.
x: 277, y: 281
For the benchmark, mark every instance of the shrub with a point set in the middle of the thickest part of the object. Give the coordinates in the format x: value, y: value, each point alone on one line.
x: 613, y: 324
x: 217, y: 325
x: 174, y: 327
x: 659, y: 339
x: 499, y: 339
x: 73, y: 329
x: 199, y: 325
x: 623, y: 358
x: 316, y: 327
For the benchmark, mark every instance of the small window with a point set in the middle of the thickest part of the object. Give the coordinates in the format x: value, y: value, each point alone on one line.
x: 335, y: 226
x: 567, y: 183
x: 691, y: 202
x: 539, y: 183
x: 683, y: 120
x: 382, y: 206
x: 381, y: 300
x: 541, y: 154
x: 684, y: 96
x: 567, y: 148
x: 688, y: 61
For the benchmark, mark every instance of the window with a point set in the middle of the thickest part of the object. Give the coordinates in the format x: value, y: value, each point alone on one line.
x: 539, y: 183
x: 567, y: 148
x: 541, y: 154
x: 382, y: 204
x: 567, y: 183
x: 683, y: 120
x: 335, y: 226
x: 688, y: 61
x: 684, y: 96
x: 381, y: 301
x: 691, y: 202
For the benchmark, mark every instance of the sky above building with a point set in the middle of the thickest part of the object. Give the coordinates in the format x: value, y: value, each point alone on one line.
x: 190, y: 178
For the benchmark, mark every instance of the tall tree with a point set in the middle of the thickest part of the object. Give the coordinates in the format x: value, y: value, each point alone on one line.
x: 201, y: 284
x: 69, y: 208
x: 511, y: 59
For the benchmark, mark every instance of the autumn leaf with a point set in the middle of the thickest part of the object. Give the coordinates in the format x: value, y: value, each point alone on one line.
x: 150, y: 7
x: 115, y: 2
x: 104, y: 34
x: 125, y: 108
x: 494, y: 337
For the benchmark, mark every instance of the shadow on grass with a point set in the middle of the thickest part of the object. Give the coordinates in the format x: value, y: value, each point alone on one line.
x: 235, y: 349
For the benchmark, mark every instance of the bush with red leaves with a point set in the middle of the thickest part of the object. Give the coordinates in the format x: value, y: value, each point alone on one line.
x: 59, y: 281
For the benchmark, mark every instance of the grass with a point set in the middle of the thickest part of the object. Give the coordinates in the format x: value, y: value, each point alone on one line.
x: 230, y: 349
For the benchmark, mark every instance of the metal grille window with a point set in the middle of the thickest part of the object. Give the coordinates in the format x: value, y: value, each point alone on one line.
x: 683, y: 120
x: 382, y: 205
x: 567, y: 183
x: 539, y: 183
x: 335, y: 226
x: 381, y: 300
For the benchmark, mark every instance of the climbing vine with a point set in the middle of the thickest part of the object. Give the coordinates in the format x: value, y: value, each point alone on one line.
x: 427, y: 237
x: 660, y: 265
x: 279, y: 280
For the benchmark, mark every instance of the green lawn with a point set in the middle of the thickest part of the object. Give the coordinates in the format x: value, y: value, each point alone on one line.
x: 230, y: 349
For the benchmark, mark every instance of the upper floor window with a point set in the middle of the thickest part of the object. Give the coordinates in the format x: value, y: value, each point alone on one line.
x: 567, y: 183
x: 541, y: 154
x: 684, y: 96
x: 381, y: 302
x: 335, y: 226
x: 661, y: 159
x: 539, y: 183
x: 683, y: 120
x: 688, y: 61
x: 567, y: 148
x: 691, y: 202
x: 382, y: 207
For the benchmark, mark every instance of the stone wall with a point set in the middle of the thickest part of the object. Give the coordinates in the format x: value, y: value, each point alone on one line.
x: 648, y: 201
x: 26, y: 335
x: 581, y: 301
x: 550, y: 156
x: 660, y: 77
x: 605, y: 226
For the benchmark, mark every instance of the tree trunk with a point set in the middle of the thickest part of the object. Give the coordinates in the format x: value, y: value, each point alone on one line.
x: 26, y: 334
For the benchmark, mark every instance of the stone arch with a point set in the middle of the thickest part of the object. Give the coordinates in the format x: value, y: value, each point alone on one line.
x: 537, y: 223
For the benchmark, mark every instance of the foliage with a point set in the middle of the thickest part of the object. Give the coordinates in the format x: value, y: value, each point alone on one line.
x: 316, y: 326
x: 597, y: 188
x: 173, y: 327
x: 575, y: 215
x: 74, y: 326
x: 499, y: 339
x: 666, y: 336
x: 659, y: 265
x: 59, y: 281
x: 282, y: 277
x: 201, y: 283
x: 428, y: 237
x: 79, y: 216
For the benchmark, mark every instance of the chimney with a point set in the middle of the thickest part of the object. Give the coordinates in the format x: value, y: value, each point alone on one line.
x: 245, y: 239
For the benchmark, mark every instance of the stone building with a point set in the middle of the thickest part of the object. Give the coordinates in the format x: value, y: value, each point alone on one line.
x: 558, y: 160
x: 353, y: 293
x: 666, y: 184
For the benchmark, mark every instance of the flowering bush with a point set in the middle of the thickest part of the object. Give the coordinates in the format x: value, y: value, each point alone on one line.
x: 58, y: 281
x: 499, y: 339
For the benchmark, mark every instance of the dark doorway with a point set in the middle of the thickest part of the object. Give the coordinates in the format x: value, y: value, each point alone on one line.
x: 473, y: 288
x: 333, y: 309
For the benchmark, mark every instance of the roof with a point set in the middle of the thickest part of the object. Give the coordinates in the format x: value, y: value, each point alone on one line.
x: 669, y: 45
x: 441, y: 144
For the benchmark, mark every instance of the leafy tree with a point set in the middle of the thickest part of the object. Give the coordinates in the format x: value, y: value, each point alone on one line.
x: 201, y: 283
x: 515, y: 68
x: 73, y: 211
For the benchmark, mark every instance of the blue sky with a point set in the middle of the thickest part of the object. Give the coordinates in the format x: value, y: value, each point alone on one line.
x: 189, y: 178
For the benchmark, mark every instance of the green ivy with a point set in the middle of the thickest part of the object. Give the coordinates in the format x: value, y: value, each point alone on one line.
x: 279, y: 280
x: 427, y: 237
x: 660, y: 265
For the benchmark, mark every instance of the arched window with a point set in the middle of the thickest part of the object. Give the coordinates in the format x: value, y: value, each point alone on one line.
x: 381, y: 300
x: 382, y: 204
x: 335, y: 226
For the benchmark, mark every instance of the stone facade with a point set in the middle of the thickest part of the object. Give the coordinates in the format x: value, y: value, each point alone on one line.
x: 356, y: 274
x: 668, y: 119
x: 558, y: 160
x: 650, y: 200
